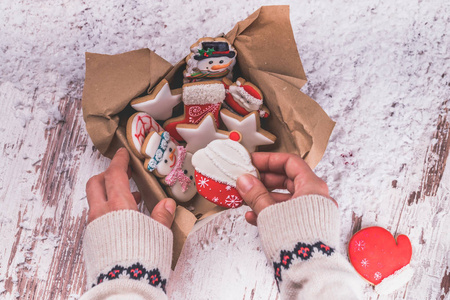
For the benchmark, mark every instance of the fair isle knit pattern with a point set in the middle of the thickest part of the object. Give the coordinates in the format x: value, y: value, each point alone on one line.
x: 124, y: 246
x: 300, y: 238
x: 135, y: 272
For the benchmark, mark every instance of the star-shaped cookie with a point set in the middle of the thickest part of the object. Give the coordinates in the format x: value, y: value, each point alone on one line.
x: 159, y: 103
x: 197, y: 136
x: 250, y: 128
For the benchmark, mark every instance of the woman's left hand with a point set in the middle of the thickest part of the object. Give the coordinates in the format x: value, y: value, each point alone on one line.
x: 110, y: 191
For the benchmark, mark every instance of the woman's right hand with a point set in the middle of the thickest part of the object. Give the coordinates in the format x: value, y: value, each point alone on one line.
x: 278, y: 171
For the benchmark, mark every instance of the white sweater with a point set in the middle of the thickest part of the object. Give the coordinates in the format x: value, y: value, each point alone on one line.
x: 128, y: 255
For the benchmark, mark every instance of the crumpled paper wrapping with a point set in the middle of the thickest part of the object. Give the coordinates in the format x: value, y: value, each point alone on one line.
x: 267, y: 57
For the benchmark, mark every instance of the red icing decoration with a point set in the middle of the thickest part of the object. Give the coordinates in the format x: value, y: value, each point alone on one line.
x: 376, y: 255
x: 218, y: 193
x: 234, y: 105
x: 249, y: 89
x: 235, y: 136
x: 193, y: 114
x: 266, y: 115
x: 145, y: 125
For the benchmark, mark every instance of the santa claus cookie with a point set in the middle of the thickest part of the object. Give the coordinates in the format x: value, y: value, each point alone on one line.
x: 139, y: 125
x: 210, y: 58
x: 218, y: 166
x: 199, y: 99
x: 380, y: 259
x: 171, y: 163
x: 244, y: 97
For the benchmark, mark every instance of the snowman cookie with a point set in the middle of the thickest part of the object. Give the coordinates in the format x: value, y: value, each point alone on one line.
x: 218, y: 166
x: 244, y: 97
x: 171, y: 163
x: 210, y: 58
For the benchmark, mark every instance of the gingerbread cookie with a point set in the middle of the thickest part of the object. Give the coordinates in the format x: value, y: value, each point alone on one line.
x: 159, y: 103
x: 171, y: 163
x: 250, y: 128
x: 380, y: 259
x: 218, y: 166
x: 243, y: 97
x: 210, y: 58
x: 139, y: 125
x: 200, y: 135
x: 199, y: 99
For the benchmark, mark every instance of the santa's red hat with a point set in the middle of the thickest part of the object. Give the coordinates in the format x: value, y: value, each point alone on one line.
x: 250, y: 92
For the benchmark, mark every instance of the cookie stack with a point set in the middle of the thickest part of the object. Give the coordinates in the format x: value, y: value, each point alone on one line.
x: 208, y: 147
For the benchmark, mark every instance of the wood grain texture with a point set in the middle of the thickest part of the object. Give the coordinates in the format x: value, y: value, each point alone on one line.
x: 435, y: 159
x: 46, y: 161
x: 44, y: 212
x: 40, y: 199
x: 212, y: 261
x: 379, y: 62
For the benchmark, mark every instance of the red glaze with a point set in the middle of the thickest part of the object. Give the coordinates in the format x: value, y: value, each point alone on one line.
x: 376, y: 255
x: 193, y: 114
x: 218, y: 193
x: 235, y: 136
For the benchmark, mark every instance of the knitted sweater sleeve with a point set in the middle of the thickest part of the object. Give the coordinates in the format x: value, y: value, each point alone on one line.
x: 300, y: 238
x: 127, y: 256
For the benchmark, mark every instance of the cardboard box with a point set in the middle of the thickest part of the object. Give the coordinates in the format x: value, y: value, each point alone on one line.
x: 267, y: 57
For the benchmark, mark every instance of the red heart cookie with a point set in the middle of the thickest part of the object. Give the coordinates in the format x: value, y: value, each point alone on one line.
x: 381, y: 260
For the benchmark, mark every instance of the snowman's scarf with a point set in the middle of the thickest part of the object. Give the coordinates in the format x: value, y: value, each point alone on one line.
x: 207, y: 74
x: 177, y: 173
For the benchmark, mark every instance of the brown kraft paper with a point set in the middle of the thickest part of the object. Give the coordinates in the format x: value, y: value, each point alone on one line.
x: 267, y: 57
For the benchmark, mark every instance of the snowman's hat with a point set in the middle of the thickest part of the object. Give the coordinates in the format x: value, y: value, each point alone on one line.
x: 154, y: 147
x: 214, y: 49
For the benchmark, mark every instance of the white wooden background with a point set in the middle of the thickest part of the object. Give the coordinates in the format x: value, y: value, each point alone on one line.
x: 46, y: 158
x: 45, y: 165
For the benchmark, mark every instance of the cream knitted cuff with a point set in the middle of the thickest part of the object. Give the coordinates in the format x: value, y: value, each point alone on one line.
x: 125, y: 238
x: 306, y: 219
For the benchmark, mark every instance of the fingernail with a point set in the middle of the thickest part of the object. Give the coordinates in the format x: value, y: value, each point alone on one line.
x: 170, y: 206
x: 244, y: 183
x: 120, y: 149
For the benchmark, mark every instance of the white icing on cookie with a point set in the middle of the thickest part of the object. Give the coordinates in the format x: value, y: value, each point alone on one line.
x: 169, y: 158
x: 215, y: 64
x: 198, y: 136
x: 142, y: 124
x: 160, y: 103
x: 177, y: 190
x: 244, y: 99
x: 249, y: 127
x: 165, y: 157
x: 223, y: 161
x: 210, y: 92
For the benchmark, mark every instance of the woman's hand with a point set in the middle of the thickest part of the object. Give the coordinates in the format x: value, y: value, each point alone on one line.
x: 278, y: 171
x: 110, y: 191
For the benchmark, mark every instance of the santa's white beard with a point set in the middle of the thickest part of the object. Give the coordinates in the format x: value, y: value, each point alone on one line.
x: 237, y: 96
